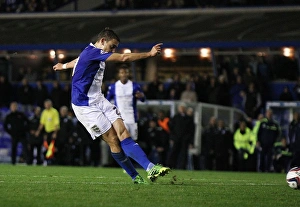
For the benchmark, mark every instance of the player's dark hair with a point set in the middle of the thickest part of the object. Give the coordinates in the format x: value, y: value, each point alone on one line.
x: 123, y: 66
x: 108, y: 35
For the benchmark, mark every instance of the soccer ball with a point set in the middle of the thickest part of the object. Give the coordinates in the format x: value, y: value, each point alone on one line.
x: 293, y: 178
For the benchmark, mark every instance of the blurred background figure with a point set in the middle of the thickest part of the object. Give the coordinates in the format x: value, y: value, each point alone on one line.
x: 286, y: 94
x: 268, y: 133
x: 16, y: 125
x: 90, y: 149
x: 159, y: 140
x: 244, y: 143
x: 64, y: 134
x: 282, y: 156
x: 182, y: 130
x: 125, y: 94
x: 49, y: 125
x: 223, y: 146
x: 35, y: 143
x: 207, y: 146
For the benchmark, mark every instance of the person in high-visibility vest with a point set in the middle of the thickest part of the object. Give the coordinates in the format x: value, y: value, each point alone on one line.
x: 244, y: 142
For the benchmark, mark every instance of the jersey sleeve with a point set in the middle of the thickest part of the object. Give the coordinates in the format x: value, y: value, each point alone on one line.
x: 98, y: 54
x: 111, y: 92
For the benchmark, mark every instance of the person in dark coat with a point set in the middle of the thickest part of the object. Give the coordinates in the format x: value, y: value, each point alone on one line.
x: 286, y: 94
x: 182, y: 128
x: 63, y: 135
x: 16, y: 125
x: 207, y: 146
x: 223, y: 146
x: 41, y: 93
x: 88, y: 145
x: 25, y: 95
x: 35, y: 142
x: 159, y: 140
x: 269, y: 132
x: 294, y: 140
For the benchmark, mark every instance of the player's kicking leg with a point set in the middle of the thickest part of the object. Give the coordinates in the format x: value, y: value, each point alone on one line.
x: 156, y: 171
x: 121, y: 158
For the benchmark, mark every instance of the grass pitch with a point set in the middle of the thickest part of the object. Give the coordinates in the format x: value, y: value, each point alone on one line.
x: 54, y: 186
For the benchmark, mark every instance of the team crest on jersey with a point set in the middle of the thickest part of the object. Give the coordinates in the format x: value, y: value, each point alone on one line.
x: 96, y: 129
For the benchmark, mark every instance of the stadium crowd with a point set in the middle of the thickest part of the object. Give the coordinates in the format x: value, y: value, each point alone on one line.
x: 247, y: 148
x: 23, y: 6
x: 255, y: 144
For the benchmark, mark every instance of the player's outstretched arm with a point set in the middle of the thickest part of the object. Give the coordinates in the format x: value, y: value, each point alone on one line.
x: 130, y: 57
x: 61, y: 66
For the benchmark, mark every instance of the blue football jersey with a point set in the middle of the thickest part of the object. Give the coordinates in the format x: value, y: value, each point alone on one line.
x: 88, y: 76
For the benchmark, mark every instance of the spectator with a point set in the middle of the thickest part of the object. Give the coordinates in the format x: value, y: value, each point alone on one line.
x: 292, y: 128
x: 65, y: 99
x: 249, y: 77
x: 16, y: 125
x: 233, y: 76
x: 282, y: 156
x: 268, y: 133
x: 236, y: 93
x: 244, y: 143
x: 222, y: 146
x: 43, y: 6
x: 201, y: 83
x: 161, y: 93
x: 145, y: 88
x: 153, y: 88
x: 56, y: 94
x: 263, y: 71
x: 90, y: 149
x: 30, y: 75
x: 264, y: 77
x: 41, y: 93
x: 182, y: 129
x: 212, y: 91
x: 163, y: 121
x: 296, y: 89
x: 159, y: 140
x: 31, y: 6
x: 252, y: 101
x: 223, y: 92
x: 295, y: 146
x: 252, y: 64
x: 25, y: 95
x: 177, y: 86
x: 286, y: 95
x: 172, y: 95
x: 48, y: 74
x: 20, y: 74
x: 5, y: 91
x: 188, y: 95
x: 12, y: 6
x: 143, y: 124
x: 35, y: 142
x: 64, y: 134
x: 255, y: 129
x: 208, y: 141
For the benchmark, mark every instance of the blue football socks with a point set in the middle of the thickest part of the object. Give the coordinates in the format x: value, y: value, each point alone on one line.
x: 125, y: 163
x: 133, y: 150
